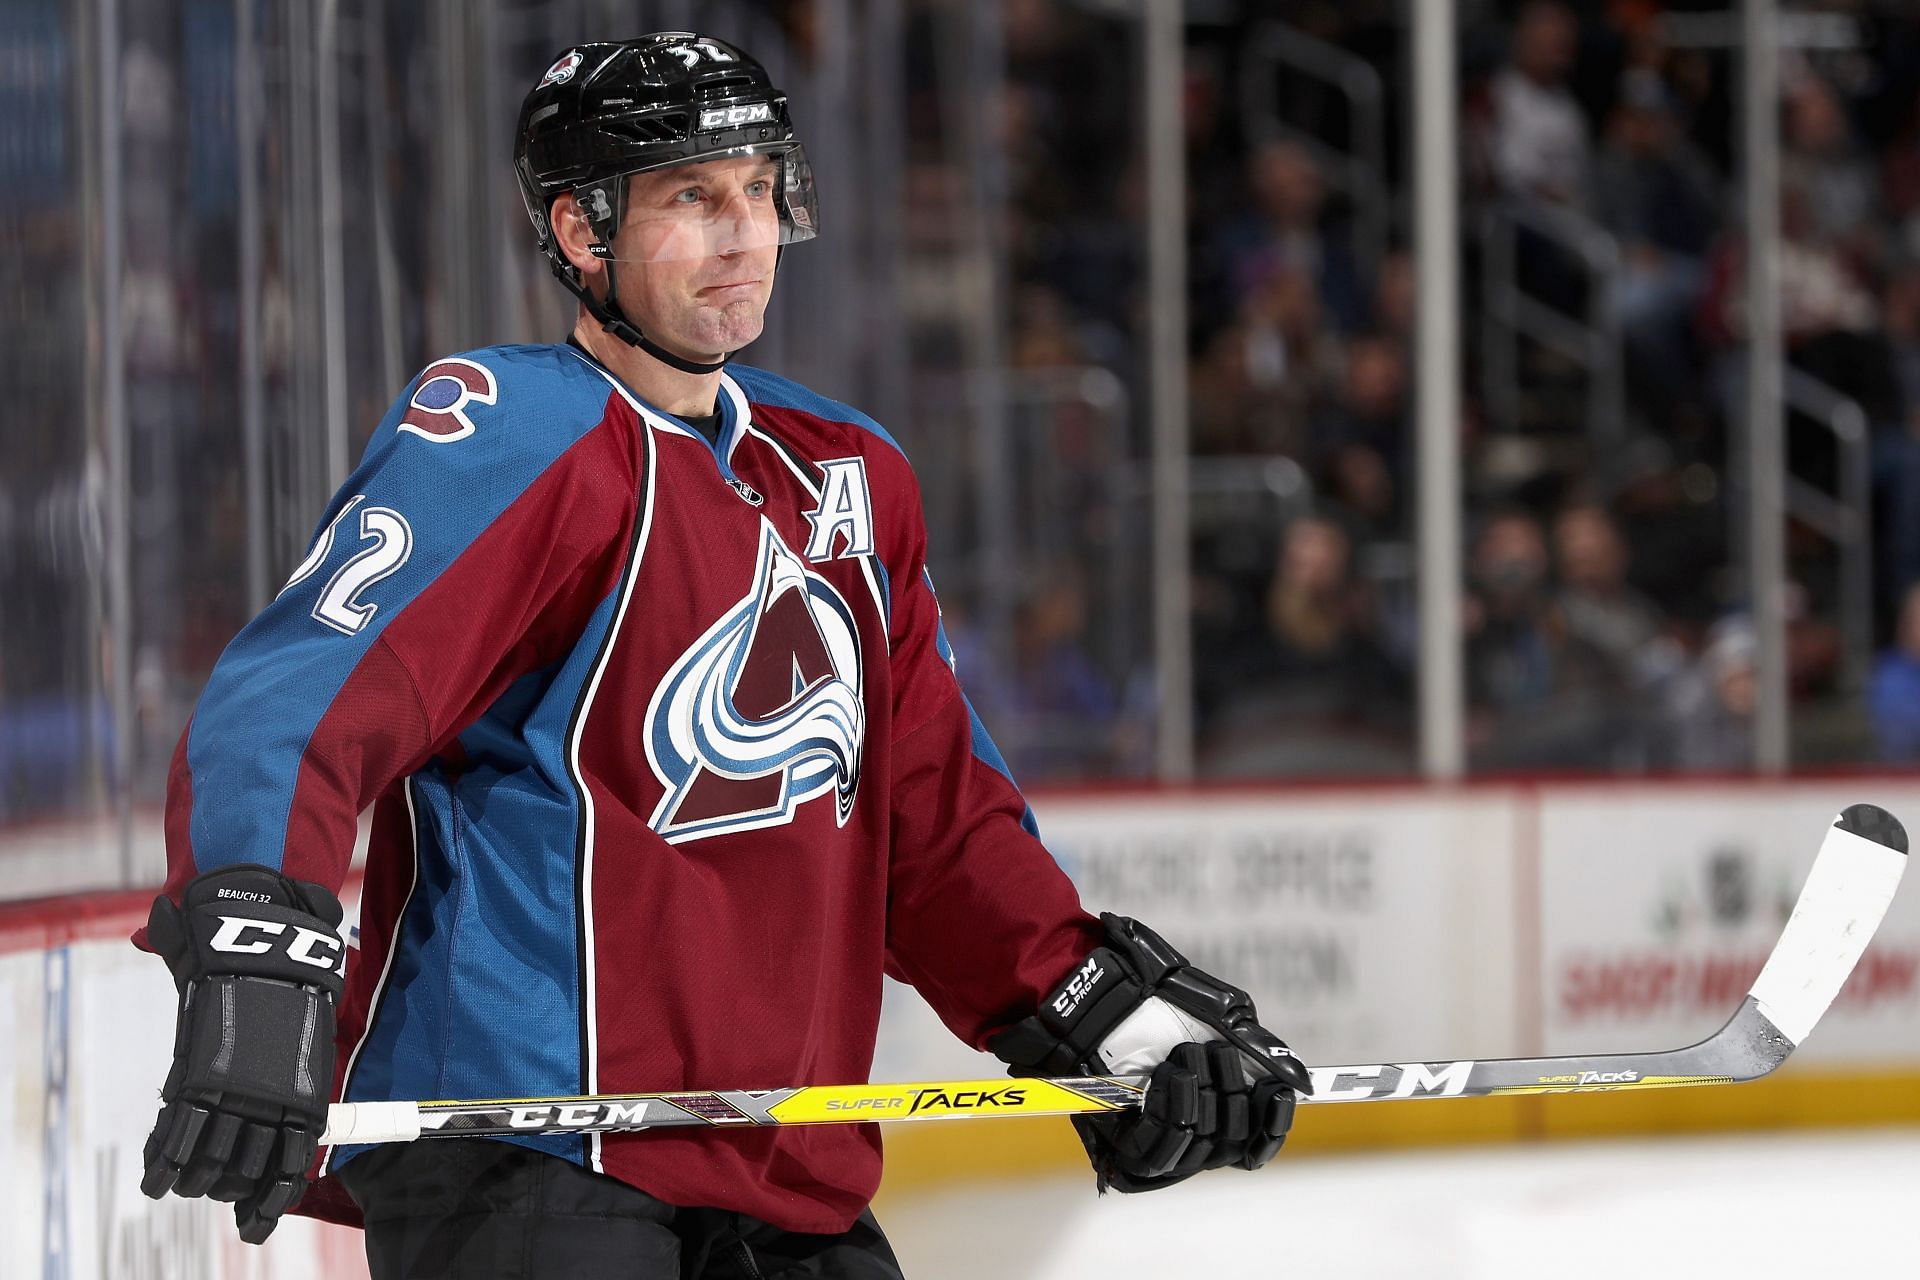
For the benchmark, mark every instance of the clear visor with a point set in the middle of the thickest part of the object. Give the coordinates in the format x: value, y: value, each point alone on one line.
x: 737, y: 202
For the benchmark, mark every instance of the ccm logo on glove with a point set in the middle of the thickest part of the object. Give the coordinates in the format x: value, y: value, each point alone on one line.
x: 244, y: 1104
x: 230, y: 937
x: 1078, y: 987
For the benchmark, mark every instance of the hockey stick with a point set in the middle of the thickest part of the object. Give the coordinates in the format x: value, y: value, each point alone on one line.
x: 1846, y: 894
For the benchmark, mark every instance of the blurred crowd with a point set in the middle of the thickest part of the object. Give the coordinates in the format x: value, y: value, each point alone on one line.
x: 1606, y: 619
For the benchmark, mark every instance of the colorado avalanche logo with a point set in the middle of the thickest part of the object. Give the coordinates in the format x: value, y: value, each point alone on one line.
x: 561, y: 71
x: 763, y: 713
x: 438, y: 408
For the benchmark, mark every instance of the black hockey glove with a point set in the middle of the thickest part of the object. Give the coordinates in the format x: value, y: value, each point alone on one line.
x: 258, y: 961
x: 1222, y: 1087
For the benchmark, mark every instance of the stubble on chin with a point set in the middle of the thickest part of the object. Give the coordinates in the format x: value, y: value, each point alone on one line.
x: 728, y: 328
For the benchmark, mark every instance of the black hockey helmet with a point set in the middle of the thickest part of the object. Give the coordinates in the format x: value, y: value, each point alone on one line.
x: 606, y: 111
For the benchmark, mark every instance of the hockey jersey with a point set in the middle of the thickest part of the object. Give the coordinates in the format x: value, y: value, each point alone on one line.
x: 667, y: 759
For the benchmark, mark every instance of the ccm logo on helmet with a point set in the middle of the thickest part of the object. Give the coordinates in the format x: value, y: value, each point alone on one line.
x: 728, y: 117
x: 307, y: 946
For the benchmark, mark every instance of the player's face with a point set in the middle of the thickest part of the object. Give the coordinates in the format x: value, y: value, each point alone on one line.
x: 697, y: 250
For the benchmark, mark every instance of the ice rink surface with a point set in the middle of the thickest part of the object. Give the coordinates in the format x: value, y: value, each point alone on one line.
x: 1752, y: 1207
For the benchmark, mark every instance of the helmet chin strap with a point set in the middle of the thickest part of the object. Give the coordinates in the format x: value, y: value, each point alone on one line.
x: 615, y: 322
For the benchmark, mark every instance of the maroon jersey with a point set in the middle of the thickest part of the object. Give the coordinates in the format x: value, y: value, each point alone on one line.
x: 669, y: 766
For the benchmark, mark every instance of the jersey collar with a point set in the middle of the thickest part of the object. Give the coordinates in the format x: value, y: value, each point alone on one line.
x: 736, y: 416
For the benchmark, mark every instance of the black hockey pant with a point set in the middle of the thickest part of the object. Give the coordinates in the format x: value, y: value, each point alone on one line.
x: 475, y: 1209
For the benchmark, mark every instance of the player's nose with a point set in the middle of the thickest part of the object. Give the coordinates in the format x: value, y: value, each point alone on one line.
x: 738, y: 224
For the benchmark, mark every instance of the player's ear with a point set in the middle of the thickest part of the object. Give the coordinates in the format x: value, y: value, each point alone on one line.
x: 573, y: 234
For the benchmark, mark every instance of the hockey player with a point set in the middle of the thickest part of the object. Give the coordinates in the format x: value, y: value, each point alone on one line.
x: 633, y: 652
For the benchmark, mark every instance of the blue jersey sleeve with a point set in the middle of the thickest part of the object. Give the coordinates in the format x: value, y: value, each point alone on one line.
x: 486, y: 511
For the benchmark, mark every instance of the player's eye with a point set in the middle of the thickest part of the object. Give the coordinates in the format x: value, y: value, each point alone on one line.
x: 759, y: 189
x: 688, y: 195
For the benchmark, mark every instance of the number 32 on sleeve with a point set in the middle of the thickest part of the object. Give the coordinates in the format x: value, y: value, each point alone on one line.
x: 389, y: 540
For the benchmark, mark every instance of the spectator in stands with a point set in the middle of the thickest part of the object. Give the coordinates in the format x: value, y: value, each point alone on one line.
x: 1539, y: 147
x: 1823, y: 158
x: 1603, y: 610
x: 1814, y: 645
x: 1317, y: 614
x: 1257, y: 383
x: 1827, y: 312
x: 1822, y: 291
x: 1701, y: 82
x: 1215, y: 153
x: 1358, y: 448
x: 1710, y: 712
x: 1598, y: 602
x: 1289, y: 229
x: 1538, y: 695
x: 1656, y: 195
x: 1226, y: 388
x: 1043, y: 334
x: 1311, y: 681
x: 1063, y: 715
x: 1893, y: 696
x: 1832, y: 319
x: 1509, y: 644
x: 1538, y: 154
x: 1393, y: 298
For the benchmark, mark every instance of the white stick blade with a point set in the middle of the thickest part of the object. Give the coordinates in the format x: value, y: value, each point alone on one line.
x: 1847, y: 892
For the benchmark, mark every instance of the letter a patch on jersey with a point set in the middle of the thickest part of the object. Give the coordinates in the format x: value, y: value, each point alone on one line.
x: 764, y: 712
x: 845, y: 508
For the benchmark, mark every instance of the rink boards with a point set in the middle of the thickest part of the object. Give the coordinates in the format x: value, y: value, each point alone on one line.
x: 1370, y: 923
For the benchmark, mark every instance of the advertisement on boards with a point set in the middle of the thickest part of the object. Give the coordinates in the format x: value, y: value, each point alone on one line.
x: 1659, y: 905
x: 1368, y: 925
